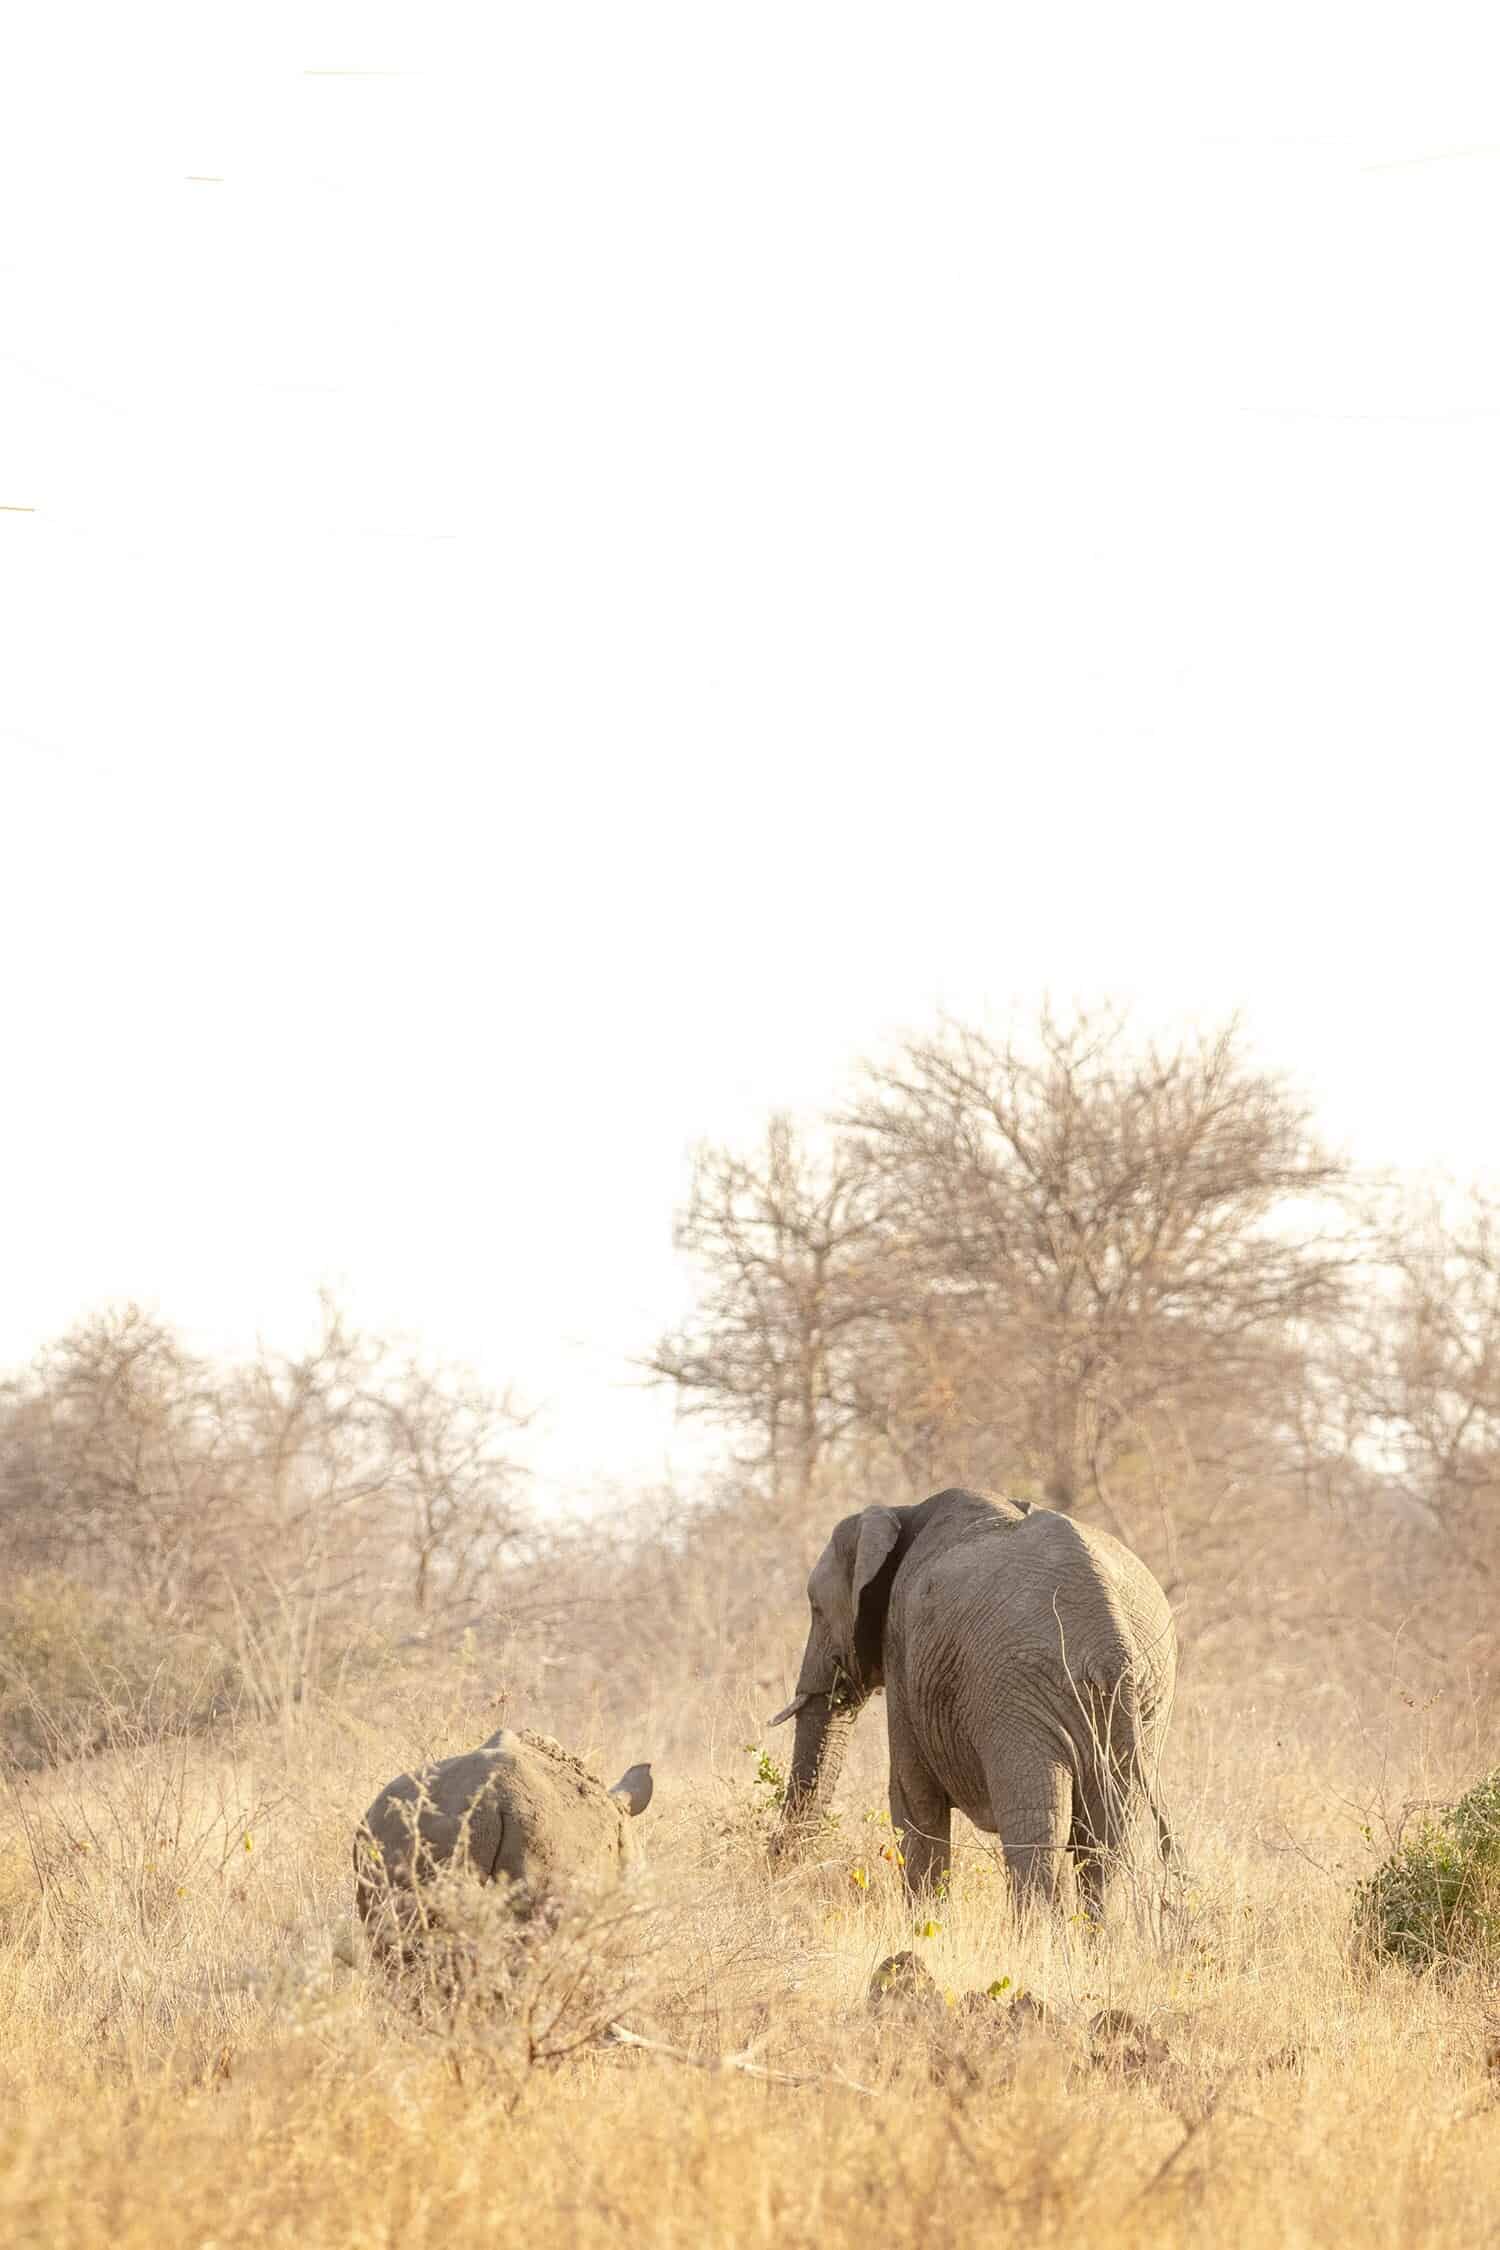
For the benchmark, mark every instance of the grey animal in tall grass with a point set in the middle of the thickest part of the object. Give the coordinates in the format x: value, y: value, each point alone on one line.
x: 518, y: 1811
x: 1028, y: 1664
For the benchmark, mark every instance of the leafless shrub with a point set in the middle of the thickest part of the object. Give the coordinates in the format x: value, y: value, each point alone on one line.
x: 282, y: 1515
x: 526, y: 1990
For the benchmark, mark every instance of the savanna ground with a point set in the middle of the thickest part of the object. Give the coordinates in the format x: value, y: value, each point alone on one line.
x: 193, y: 2050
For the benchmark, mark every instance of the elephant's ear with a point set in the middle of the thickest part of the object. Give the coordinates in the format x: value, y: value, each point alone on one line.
x: 847, y: 1591
x: 879, y: 1529
x: 869, y: 1587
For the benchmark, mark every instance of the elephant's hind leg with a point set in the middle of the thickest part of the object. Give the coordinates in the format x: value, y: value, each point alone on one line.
x: 1031, y: 1802
x: 925, y: 1818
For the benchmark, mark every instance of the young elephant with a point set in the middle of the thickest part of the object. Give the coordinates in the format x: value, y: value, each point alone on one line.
x: 519, y: 1811
x: 1028, y: 1664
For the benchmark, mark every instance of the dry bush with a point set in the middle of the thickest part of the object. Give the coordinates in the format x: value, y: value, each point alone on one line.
x: 233, y: 1536
x: 520, y: 1992
x: 72, y: 1658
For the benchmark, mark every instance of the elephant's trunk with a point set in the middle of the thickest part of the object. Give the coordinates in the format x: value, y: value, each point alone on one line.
x: 821, y: 1740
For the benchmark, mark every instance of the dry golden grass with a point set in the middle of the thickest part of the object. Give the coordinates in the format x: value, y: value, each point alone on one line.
x: 193, y: 2053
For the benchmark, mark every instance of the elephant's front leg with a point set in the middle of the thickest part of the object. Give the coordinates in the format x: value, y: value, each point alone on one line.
x: 924, y: 1817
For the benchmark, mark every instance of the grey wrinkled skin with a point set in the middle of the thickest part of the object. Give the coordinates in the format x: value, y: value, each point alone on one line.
x: 1028, y: 1664
x: 518, y: 1812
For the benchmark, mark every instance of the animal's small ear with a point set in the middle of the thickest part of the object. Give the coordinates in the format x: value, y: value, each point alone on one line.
x: 633, y: 1789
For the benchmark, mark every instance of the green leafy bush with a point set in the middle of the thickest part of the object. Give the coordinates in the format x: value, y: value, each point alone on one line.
x: 1437, y: 1898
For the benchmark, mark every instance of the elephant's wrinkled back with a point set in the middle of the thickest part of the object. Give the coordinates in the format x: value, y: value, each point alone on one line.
x: 1112, y: 1617
x: 1038, y: 1589
x: 1138, y: 1600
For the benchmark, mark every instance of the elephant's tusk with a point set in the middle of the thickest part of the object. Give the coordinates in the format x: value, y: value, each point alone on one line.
x: 791, y: 1710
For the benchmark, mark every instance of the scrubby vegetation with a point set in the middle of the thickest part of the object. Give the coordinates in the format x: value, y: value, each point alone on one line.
x: 72, y: 1656
x: 1436, y: 1901
x: 192, y: 2050
x: 239, y: 1599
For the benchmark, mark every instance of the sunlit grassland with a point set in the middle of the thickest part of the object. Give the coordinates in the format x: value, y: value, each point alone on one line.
x: 193, y: 2051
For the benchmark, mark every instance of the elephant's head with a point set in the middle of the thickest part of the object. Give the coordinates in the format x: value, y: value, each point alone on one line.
x: 843, y: 1661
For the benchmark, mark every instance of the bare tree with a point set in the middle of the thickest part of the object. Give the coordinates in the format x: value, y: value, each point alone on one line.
x: 455, y: 1484
x: 115, y: 1459
x: 1422, y: 1373
x: 348, y: 1470
x: 1015, y: 1263
x: 1101, y: 1228
x: 376, y: 1471
x: 791, y: 1246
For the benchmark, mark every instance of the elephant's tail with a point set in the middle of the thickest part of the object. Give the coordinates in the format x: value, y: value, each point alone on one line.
x: 1121, y: 1766
x: 1139, y: 1768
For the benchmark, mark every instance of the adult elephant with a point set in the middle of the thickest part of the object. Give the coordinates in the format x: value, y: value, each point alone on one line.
x: 1028, y: 1666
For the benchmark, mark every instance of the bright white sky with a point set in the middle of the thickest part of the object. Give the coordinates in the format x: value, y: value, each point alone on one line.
x: 578, y: 585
